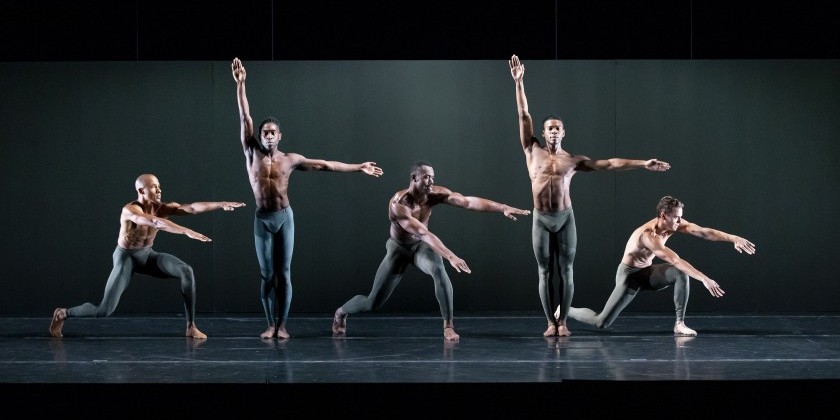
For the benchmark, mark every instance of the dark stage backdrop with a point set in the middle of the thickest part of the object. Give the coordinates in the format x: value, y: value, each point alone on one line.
x: 753, y: 146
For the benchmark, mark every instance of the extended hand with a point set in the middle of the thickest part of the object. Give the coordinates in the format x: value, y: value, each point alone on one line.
x: 517, y: 69
x: 743, y: 245
x: 657, y: 165
x: 713, y: 288
x: 229, y: 206
x: 195, y: 235
x: 238, y: 70
x: 371, y: 169
x: 459, y: 265
x: 510, y: 211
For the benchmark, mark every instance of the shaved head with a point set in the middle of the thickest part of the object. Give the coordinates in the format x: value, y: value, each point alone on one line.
x: 144, y: 180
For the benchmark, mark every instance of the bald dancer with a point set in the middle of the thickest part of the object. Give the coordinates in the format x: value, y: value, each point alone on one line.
x: 140, y: 221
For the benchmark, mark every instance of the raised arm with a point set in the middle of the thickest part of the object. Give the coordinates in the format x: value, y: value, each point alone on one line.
x: 369, y: 168
x: 135, y: 214
x: 619, y: 164
x: 741, y: 244
x: 482, y: 204
x: 415, y: 227
x: 526, y: 124
x: 655, y: 244
x: 245, y: 120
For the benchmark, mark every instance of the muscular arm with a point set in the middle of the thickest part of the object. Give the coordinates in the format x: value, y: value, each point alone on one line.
x: 135, y: 214
x: 526, y: 123
x: 415, y: 227
x: 205, y: 206
x: 369, y: 168
x: 483, y: 204
x: 619, y: 164
x: 657, y: 246
x: 245, y: 120
x: 741, y: 244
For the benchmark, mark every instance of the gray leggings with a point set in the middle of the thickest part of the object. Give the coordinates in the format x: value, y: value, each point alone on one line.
x: 554, y: 237
x: 397, y: 258
x: 628, y: 282
x: 274, y: 239
x: 140, y: 261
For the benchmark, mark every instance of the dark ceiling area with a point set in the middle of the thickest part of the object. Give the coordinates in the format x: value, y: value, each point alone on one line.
x: 158, y: 30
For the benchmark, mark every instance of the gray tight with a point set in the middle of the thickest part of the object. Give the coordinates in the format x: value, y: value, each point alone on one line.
x: 628, y: 282
x: 397, y: 258
x: 554, y: 237
x: 274, y: 240
x: 141, y: 261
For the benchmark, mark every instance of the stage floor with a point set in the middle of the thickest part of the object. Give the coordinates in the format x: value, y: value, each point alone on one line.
x: 751, y: 361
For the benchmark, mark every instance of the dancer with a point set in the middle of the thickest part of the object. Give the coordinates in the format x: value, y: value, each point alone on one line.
x: 553, y: 233
x: 140, y: 222
x: 636, y: 272
x: 269, y: 170
x: 411, y: 243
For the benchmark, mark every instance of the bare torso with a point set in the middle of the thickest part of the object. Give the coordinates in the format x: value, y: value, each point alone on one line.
x: 551, y: 174
x: 421, y: 211
x: 132, y: 235
x: 636, y: 253
x: 269, y: 177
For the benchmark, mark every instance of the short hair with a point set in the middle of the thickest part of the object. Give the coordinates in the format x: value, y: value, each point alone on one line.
x: 552, y: 117
x: 269, y: 120
x: 666, y: 204
x: 415, y: 167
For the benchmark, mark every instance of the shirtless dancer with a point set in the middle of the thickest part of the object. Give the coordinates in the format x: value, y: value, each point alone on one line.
x: 140, y: 222
x: 637, y: 271
x: 269, y: 170
x: 411, y: 243
x: 553, y: 233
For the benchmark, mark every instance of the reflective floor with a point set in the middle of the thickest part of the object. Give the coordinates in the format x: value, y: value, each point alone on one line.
x: 502, y: 363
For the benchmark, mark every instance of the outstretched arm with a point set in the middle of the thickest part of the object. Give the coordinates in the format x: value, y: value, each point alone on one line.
x: 619, y: 164
x: 526, y: 124
x: 482, y: 204
x: 415, y: 227
x: 204, y: 206
x: 655, y: 244
x: 369, y: 168
x: 135, y: 214
x: 245, y: 121
x: 741, y: 244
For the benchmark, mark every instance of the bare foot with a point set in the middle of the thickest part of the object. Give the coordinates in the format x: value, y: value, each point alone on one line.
x: 551, y: 331
x: 563, y: 331
x: 339, y: 324
x: 450, y: 335
x: 681, y: 329
x: 281, y: 333
x: 193, y: 332
x: 57, y: 323
x: 268, y: 334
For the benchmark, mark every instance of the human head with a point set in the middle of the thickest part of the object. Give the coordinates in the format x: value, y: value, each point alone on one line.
x: 416, y: 167
x: 148, y: 188
x: 269, y: 136
x: 422, y: 176
x: 669, y: 213
x: 553, y: 129
x: 666, y: 204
